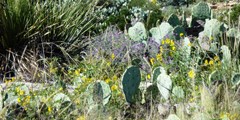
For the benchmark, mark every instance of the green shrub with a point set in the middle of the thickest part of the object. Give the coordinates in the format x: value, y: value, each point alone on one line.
x: 235, y: 13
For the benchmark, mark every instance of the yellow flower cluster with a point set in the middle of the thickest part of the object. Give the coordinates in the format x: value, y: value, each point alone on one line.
x: 233, y: 116
x: 8, y: 81
x: 170, y: 43
x: 152, y: 61
x: 22, y: 98
x: 159, y: 57
x: 77, y: 72
x: 212, y: 61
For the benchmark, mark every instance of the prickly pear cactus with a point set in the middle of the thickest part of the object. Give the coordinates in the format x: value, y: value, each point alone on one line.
x: 235, y: 80
x: 177, y: 31
x: 173, y: 20
x: 59, y: 99
x: 164, y: 84
x: 98, y: 93
x: 130, y: 82
x: 137, y: 32
x: 201, y: 11
x: 156, y: 72
x: 152, y: 92
x: 213, y: 28
x: 162, y: 31
x: 178, y: 92
x: 226, y: 56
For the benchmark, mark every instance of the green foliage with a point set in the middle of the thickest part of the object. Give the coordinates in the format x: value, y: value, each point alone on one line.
x: 123, y: 14
x: 234, y: 14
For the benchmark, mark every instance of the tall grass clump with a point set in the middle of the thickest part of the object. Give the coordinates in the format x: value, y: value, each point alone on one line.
x: 31, y: 31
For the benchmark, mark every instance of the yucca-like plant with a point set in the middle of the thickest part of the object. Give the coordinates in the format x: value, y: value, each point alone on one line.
x: 63, y: 23
x: 15, y: 17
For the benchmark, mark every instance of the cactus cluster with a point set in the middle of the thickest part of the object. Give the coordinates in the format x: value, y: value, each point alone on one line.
x: 161, y: 82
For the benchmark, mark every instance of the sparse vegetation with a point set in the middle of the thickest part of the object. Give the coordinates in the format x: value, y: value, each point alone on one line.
x: 118, y: 59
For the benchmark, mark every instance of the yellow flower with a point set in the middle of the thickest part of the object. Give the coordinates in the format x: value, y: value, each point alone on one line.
x: 108, y: 63
x: 13, y: 79
x: 189, y: 44
x: 53, y: 70
x: 18, y: 89
x: 152, y: 61
x: 161, y: 49
x: 21, y: 92
x: 181, y: 34
x: 107, y: 80
x: 114, y: 78
x: 149, y: 76
x: 81, y: 118
x: 216, y: 58
x: 191, y: 74
x: 60, y: 89
x: 163, y: 42
x: 173, y: 48
x: 206, y: 62
x: 49, y: 109
x: 112, y: 56
x: 159, y: 57
x: 28, y: 98
x: 19, y: 100
x: 168, y: 41
x: 154, y: 1
x: 192, y: 99
x: 114, y: 87
x: 77, y: 72
x: 172, y: 43
x: 211, y: 62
